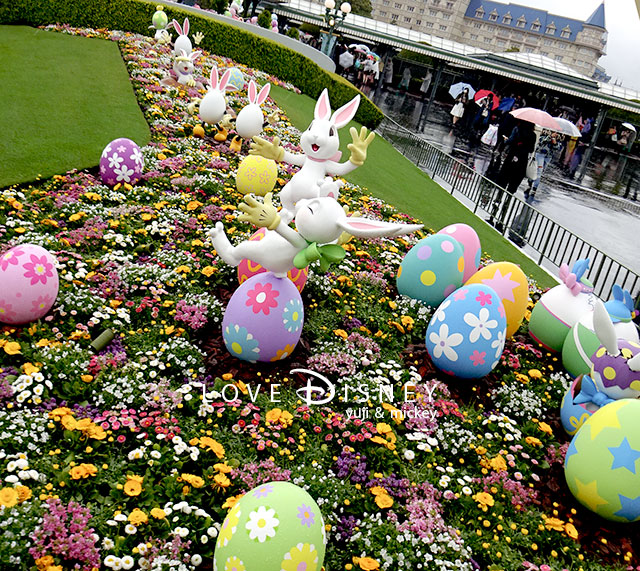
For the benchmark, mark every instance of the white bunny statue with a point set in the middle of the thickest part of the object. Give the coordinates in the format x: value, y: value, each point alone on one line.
x: 251, y: 118
x: 320, y: 143
x: 213, y: 105
x: 182, y: 41
x: 183, y: 67
x: 319, y: 221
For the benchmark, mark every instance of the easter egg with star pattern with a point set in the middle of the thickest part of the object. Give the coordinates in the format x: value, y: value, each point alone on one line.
x: 602, y: 464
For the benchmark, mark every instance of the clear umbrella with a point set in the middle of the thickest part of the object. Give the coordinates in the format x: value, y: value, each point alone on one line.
x: 457, y: 88
x: 567, y: 127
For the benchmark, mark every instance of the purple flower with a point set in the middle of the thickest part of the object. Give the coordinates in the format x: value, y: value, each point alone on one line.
x: 306, y: 516
x: 263, y: 491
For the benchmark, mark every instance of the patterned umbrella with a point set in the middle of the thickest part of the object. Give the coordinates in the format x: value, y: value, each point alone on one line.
x: 537, y: 116
x: 483, y: 94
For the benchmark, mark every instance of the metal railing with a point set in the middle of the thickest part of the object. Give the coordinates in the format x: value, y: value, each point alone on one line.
x: 544, y: 240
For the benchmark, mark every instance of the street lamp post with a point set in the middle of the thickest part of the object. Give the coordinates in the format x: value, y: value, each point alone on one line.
x: 333, y: 17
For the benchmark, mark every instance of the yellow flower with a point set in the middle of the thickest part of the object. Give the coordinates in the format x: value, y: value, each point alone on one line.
x: 24, y: 493
x: 571, y: 530
x: 68, y: 422
x: 383, y: 428
x: 133, y: 486
x: 82, y: 471
x: 273, y: 415
x: 340, y: 333
x: 208, y: 270
x: 222, y: 467
x: 377, y: 490
x: 484, y: 499
x: 213, y: 446
x: 193, y: 205
x: 367, y: 563
x: 407, y: 321
x: 29, y: 369
x: 535, y: 374
x: 554, y: 523
x: 498, y: 464
x: 545, y: 428
x: 533, y: 441
x: 222, y: 481
x: 8, y: 497
x: 232, y: 501
x: 138, y: 517
x: 158, y: 513
x: 12, y: 348
x: 384, y: 501
x: 76, y: 216
x: 96, y: 432
x: 194, y: 481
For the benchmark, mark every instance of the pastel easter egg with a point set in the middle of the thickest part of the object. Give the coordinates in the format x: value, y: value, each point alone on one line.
x: 28, y: 284
x: 432, y: 269
x: 256, y: 175
x: 276, y: 526
x: 555, y: 313
x: 236, y: 78
x: 466, y: 334
x: 580, y: 343
x: 602, y: 464
x: 471, y: 251
x: 159, y: 19
x: 612, y: 375
x: 510, y: 283
x: 263, y: 320
x: 573, y: 415
x: 247, y: 268
x: 121, y: 162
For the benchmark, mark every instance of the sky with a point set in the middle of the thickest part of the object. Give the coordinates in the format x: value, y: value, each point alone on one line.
x: 623, y: 24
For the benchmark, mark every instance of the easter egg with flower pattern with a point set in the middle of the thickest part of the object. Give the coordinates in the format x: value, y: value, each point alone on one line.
x: 510, y: 283
x: 263, y: 320
x: 121, y: 162
x: 247, y: 268
x: 256, y: 175
x: 468, y: 239
x: 28, y: 284
x: 466, y: 334
x: 602, y: 464
x: 432, y: 269
x: 277, y: 526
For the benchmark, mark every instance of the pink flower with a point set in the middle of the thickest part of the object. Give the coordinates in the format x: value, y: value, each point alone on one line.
x: 460, y: 294
x: 38, y: 270
x: 11, y: 257
x: 545, y: 568
x: 5, y: 311
x: 483, y: 298
x: 262, y: 298
x: 42, y: 302
x: 478, y: 358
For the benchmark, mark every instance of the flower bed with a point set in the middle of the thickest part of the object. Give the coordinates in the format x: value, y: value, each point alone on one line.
x: 113, y: 459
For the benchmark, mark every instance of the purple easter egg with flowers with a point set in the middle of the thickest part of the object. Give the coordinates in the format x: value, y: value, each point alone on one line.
x: 466, y: 334
x: 612, y: 374
x: 121, y: 162
x: 263, y: 320
x: 28, y: 284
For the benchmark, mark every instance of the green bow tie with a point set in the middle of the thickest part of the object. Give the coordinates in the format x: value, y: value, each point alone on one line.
x: 327, y: 254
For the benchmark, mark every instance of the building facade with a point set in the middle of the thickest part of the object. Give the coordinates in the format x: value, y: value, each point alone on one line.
x: 498, y: 27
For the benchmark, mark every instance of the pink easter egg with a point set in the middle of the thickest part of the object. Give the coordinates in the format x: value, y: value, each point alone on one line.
x: 121, y: 162
x: 470, y: 243
x: 263, y: 320
x: 28, y: 284
x: 248, y: 269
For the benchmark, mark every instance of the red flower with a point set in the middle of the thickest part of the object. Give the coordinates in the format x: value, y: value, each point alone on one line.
x: 262, y: 298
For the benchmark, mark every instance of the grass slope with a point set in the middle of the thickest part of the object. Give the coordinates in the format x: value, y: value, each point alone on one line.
x: 63, y: 99
x: 390, y: 176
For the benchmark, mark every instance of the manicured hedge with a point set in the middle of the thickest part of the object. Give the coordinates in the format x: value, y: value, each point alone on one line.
x: 241, y: 46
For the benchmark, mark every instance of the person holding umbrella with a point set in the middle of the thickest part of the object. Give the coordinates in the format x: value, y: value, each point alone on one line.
x: 458, y: 109
x: 548, y: 144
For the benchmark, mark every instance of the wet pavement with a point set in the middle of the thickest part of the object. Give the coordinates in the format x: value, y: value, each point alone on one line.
x: 608, y: 222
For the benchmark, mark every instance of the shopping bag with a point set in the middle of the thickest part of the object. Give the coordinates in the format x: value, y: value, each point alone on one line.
x: 532, y: 167
x: 490, y: 136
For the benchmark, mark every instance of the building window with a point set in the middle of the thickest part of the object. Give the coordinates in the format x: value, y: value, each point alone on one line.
x: 433, y: 13
x: 535, y: 27
x: 501, y: 43
x: 479, y: 13
x: 446, y: 16
x: 442, y: 28
x: 506, y: 20
x: 410, y: 8
x: 397, y: 5
x: 548, y: 42
x: 493, y: 17
x: 521, y: 22
x: 551, y: 30
x: 383, y: 14
x: 418, y: 22
x: 559, y: 58
x: 528, y: 50
x: 473, y: 36
x: 450, y: 5
x: 421, y: 10
x: 476, y: 25
x: 394, y: 17
x: 436, y: 2
x: 487, y: 40
x: 545, y: 54
x: 566, y: 32
x: 407, y: 19
x: 429, y: 25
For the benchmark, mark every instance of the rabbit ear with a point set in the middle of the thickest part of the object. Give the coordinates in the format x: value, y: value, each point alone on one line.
x: 214, y: 78
x: 323, y: 107
x: 604, y: 329
x: 264, y: 93
x: 634, y: 363
x: 253, y: 88
x: 195, y: 55
x: 617, y: 292
x: 177, y: 27
x: 628, y: 300
x: 224, y: 82
x: 343, y: 115
x: 366, y: 228
x: 186, y: 26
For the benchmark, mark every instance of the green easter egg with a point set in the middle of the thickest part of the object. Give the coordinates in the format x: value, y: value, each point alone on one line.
x: 274, y: 527
x: 602, y: 465
x: 159, y: 20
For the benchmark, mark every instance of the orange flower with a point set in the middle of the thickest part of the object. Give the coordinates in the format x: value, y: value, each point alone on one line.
x: 222, y: 467
x: 68, y: 422
x: 96, y: 432
x: 273, y: 415
x: 384, y: 501
x: 8, y: 497
x: 82, y: 471
x: 484, y: 499
x: 138, y: 517
x: 213, y: 446
x: 533, y: 441
x: 383, y: 428
x: 368, y: 564
x: 554, y: 523
x: 232, y: 501
x: 24, y: 493
x: 133, y: 486
x: 545, y: 428
x: 377, y: 490
x: 498, y: 464
x: 195, y: 481
x: 222, y: 481
x: 60, y: 411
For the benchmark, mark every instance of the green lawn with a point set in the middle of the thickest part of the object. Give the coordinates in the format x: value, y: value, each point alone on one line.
x: 390, y: 176
x: 63, y: 98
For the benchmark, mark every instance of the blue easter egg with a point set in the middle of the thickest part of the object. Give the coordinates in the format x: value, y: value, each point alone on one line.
x: 466, y: 334
x: 432, y: 269
x: 573, y: 415
x: 263, y: 320
x: 236, y: 78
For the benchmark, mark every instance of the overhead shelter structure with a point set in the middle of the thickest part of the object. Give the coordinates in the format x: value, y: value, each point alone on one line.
x: 527, y: 68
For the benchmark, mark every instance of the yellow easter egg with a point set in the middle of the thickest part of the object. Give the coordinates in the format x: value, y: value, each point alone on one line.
x: 256, y: 175
x: 510, y: 283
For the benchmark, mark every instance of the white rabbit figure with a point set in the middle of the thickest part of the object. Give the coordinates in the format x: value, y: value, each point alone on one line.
x: 251, y: 118
x: 182, y: 41
x: 159, y: 23
x: 214, y: 105
x: 319, y: 220
x: 320, y: 143
x: 183, y: 66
